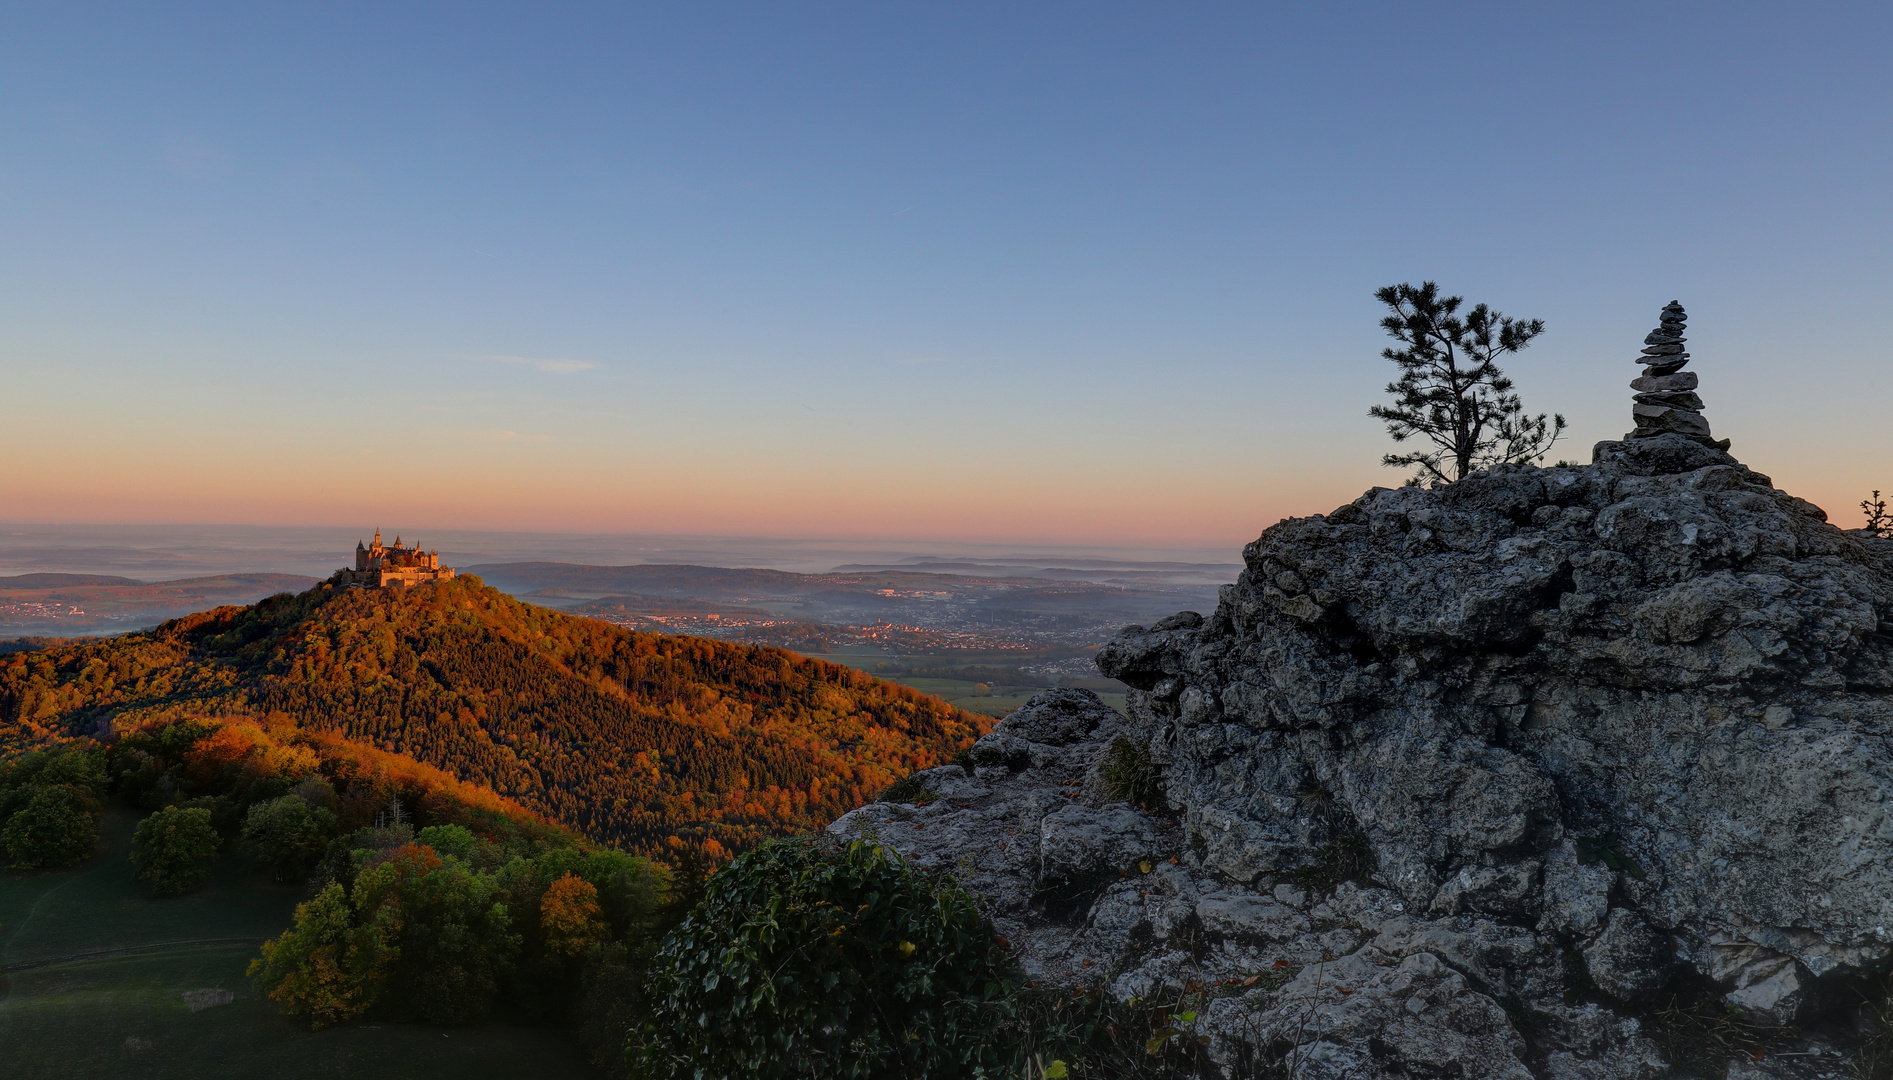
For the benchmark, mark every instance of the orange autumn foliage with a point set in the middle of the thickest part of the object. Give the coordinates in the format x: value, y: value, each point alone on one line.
x: 570, y: 918
x: 458, y: 689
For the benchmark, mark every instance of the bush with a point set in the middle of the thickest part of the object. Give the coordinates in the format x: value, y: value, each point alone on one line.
x: 288, y: 835
x: 1129, y: 774
x: 816, y: 960
x: 172, y: 848
x: 57, y: 826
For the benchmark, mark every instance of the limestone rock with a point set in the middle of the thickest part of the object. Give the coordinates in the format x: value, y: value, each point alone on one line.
x: 1672, y: 399
x: 1662, y: 384
x: 1629, y: 719
x: 1630, y: 960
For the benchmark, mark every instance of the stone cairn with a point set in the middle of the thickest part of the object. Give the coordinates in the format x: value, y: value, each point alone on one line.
x: 1666, y: 399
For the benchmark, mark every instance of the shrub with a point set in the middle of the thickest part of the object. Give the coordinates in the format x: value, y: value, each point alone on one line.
x: 1130, y: 775
x: 172, y: 848
x: 816, y: 960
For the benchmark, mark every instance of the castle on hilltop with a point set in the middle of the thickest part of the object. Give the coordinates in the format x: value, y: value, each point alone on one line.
x: 382, y: 566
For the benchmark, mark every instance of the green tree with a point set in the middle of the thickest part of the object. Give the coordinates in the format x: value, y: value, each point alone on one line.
x: 1451, y: 392
x: 172, y: 849
x: 324, y: 967
x: 65, y: 766
x: 454, y: 941
x: 288, y: 835
x: 455, y: 840
x: 816, y: 960
x: 57, y: 826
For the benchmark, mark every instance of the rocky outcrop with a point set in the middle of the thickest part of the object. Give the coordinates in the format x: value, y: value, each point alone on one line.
x: 1577, y: 739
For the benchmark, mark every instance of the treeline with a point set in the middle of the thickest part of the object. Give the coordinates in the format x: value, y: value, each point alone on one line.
x: 432, y: 899
x: 235, y: 776
x: 630, y: 738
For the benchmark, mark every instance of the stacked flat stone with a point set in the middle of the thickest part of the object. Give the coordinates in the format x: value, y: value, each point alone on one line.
x: 1666, y: 400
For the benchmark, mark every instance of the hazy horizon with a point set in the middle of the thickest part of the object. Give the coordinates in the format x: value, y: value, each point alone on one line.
x: 170, y: 552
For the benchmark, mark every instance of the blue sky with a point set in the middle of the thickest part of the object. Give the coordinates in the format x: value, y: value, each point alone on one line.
x: 1036, y: 272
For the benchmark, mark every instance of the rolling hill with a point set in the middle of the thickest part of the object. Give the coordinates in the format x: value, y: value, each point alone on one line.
x: 627, y: 737
x: 72, y: 604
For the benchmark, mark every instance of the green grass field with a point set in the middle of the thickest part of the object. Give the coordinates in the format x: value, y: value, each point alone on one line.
x: 124, y: 1013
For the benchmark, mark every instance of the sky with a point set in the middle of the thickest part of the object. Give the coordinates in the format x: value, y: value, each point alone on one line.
x: 1080, y: 273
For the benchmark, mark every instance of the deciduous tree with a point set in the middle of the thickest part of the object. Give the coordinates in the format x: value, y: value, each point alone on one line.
x: 455, y: 938
x: 324, y: 967
x: 289, y: 835
x: 570, y: 918
x: 57, y: 826
x: 172, y: 849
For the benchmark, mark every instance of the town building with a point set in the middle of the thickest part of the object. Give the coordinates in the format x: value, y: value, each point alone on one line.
x: 384, y: 566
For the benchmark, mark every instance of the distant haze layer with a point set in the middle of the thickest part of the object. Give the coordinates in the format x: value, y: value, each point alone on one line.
x: 160, y: 553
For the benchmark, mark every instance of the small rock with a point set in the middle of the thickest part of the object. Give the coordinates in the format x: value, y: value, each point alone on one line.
x: 1658, y: 384
x: 1630, y: 960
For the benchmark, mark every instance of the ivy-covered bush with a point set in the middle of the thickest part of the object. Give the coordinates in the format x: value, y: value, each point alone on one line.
x: 811, y: 959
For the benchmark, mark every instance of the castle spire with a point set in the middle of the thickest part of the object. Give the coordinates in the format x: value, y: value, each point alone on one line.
x: 1666, y: 400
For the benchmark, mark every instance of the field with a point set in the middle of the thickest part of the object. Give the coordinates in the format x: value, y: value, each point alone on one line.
x: 149, y: 999
x: 957, y: 676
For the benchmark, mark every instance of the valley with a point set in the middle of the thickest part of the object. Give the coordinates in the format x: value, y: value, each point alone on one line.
x: 982, y: 634
x: 69, y: 605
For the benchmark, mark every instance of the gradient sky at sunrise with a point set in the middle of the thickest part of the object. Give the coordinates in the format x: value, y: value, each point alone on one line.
x: 1039, y: 272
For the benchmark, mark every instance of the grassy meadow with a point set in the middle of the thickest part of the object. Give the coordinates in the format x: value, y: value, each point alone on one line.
x: 84, y: 993
x: 1007, y: 686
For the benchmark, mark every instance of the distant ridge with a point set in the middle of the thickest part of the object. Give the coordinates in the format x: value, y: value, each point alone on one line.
x: 55, y: 581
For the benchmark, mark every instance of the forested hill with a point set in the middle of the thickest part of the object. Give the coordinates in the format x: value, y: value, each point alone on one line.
x: 627, y: 737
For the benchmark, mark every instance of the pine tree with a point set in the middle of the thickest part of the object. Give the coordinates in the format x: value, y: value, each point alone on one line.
x: 1451, y: 391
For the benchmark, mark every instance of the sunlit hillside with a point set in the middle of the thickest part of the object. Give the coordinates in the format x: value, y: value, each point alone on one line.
x: 630, y: 738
